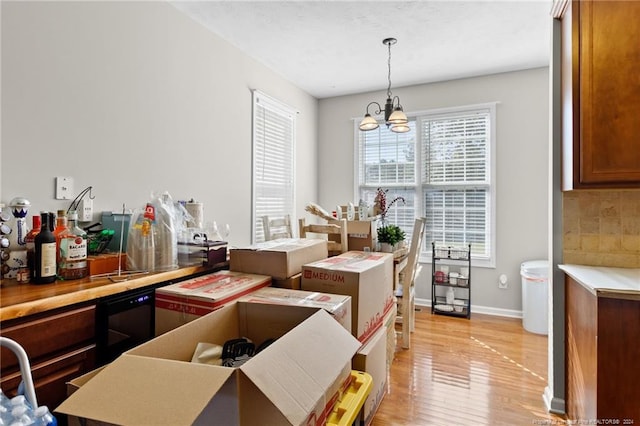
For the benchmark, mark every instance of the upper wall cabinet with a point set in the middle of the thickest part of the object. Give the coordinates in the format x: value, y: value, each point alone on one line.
x: 600, y: 93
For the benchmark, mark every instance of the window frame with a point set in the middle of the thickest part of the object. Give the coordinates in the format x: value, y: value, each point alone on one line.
x: 420, y: 187
x: 262, y: 100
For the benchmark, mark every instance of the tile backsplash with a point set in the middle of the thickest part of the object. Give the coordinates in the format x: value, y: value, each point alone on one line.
x: 601, y: 227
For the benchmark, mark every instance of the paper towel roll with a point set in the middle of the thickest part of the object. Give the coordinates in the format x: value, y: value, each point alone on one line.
x: 196, y: 210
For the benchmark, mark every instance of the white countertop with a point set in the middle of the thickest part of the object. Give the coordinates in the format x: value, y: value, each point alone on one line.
x: 601, y: 279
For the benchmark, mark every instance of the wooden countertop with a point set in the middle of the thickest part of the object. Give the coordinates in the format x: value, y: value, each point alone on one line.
x: 619, y: 283
x: 20, y: 300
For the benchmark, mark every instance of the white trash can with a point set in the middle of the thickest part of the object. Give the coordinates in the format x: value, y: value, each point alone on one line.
x: 535, y: 296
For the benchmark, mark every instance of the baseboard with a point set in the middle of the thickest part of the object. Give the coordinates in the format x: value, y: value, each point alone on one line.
x: 487, y: 310
x: 554, y: 405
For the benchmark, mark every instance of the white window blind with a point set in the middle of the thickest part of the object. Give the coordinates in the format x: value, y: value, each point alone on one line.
x: 443, y: 169
x: 273, y: 154
x: 457, y: 180
x: 388, y: 161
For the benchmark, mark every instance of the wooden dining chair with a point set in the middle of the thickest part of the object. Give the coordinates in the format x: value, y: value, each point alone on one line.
x: 336, y: 234
x: 279, y: 227
x: 407, y: 282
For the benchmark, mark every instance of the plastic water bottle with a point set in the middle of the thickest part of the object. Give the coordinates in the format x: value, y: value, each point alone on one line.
x: 22, y: 414
x: 42, y: 417
x: 18, y: 401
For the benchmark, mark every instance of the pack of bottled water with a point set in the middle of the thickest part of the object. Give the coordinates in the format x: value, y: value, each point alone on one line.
x: 17, y: 411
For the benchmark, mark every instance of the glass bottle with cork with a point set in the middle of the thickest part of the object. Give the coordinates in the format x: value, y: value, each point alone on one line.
x: 73, y: 250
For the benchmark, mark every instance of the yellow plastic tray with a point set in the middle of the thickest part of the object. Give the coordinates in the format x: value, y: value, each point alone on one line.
x: 348, y: 407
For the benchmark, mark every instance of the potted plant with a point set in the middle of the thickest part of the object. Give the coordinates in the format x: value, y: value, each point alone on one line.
x: 389, y: 236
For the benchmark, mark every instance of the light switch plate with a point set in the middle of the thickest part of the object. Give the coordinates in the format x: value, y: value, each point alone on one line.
x: 64, y: 188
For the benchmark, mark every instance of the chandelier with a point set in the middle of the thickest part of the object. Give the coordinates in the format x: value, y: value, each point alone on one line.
x: 394, y: 117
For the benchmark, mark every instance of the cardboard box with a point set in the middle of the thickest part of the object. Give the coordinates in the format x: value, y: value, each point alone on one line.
x: 362, y: 234
x: 291, y: 382
x: 301, y: 304
x: 365, y: 276
x: 292, y: 283
x: 280, y: 259
x: 372, y: 359
x: 73, y: 386
x: 180, y: 303
x: 389, y: 324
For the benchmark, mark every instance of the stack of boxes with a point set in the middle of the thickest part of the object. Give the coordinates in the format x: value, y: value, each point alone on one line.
x: 367, y: 277
x: 276, y: 290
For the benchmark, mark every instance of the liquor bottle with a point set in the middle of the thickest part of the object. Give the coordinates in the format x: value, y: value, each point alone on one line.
x: 60, y: 228
x: 73, y: 250
x: 30, y: 241
x: 44, y: 258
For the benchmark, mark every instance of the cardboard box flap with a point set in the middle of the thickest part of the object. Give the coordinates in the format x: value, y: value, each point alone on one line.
x: 295, y: 371
x: 129, y: 391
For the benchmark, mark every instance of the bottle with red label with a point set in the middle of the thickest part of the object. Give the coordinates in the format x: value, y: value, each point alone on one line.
x: 73, y: 250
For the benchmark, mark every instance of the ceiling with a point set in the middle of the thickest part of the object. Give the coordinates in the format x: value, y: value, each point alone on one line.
x: 334, y: 48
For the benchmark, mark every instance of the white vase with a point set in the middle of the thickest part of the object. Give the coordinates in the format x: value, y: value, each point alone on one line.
x: 386, y: 247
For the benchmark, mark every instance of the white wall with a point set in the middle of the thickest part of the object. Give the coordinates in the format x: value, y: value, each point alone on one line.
x: 135, y: 97
x: 522, y: 168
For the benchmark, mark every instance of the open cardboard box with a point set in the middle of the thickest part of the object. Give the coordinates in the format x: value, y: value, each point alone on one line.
x: 294, y: 381
x: 280, y: 259
x: 365, y: 276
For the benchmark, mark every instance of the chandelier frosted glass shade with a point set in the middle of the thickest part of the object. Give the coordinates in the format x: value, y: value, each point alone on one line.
x: 397, y: 117
x: 400, y: 128
x: 368, y: 123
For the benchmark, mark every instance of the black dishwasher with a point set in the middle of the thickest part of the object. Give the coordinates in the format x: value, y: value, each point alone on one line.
x: 123, y: 321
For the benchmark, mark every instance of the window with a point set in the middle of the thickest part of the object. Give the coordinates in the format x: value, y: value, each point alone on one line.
x: 273, y: 153
x: 444, y: 170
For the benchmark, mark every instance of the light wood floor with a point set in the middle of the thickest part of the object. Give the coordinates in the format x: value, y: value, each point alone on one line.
x: 484, y: 371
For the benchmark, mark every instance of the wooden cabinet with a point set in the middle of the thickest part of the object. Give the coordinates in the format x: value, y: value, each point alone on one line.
x: 602, y: 353
x: 60, y: 346
x: 600, y: 94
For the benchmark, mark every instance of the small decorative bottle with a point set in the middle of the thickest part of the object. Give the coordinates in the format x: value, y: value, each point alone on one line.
x: 44, y: 258
x: 18, y: 249
x: 19, y: 209
x: 73, y: 250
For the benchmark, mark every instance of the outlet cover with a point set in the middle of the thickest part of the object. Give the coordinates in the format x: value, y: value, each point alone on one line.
x: 503, y: 281
x: 64, y: 188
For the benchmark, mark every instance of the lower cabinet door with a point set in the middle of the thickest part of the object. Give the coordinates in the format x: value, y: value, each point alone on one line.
x: 50, y: 376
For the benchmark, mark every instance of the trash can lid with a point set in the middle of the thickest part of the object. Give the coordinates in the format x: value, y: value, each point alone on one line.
x: 536, y: 269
